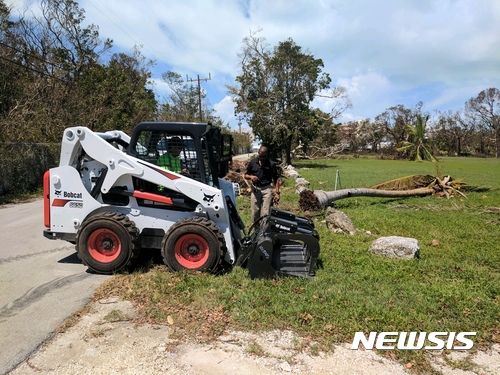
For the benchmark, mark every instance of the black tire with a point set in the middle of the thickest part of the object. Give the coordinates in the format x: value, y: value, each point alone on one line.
x: 195, y: 243
x: 108, y: 242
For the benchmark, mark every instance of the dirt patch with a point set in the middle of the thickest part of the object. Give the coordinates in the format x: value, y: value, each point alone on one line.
x: 108, y: 341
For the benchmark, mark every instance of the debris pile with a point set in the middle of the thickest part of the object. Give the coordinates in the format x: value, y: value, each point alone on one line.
x: 236, y: 174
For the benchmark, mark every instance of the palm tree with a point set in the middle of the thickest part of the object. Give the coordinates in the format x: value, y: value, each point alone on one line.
x: 417, y: 141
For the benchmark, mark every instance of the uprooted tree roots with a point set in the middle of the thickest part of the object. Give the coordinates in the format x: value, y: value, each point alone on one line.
x: 308, y: 201
x: 236, y: 174
x: 403, y: 187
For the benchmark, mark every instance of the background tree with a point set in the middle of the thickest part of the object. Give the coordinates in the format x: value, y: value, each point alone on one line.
x: 241, y: 142
x: 393, y: 122
x: 51, y: 52
x: 417, y: 143
x: 10, y: 74
x: 274, y: 92
x: 362, y: 135
x: 61, y: 82
x: 71, y: 47
x: 182, y: 102
x: 349, y: 137
x: 373, y: 134
x: 485, y: 109
x: 452, y: 134
x: 326, y: 138
x: 116, y: 96
x: 52, y: 78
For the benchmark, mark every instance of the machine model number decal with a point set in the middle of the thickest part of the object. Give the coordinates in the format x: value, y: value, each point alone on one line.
x: 76, y: 204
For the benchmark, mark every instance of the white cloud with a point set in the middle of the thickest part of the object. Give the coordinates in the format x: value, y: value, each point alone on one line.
x: 370, y: 94
x: 225, y: 110
x: 160, y: 88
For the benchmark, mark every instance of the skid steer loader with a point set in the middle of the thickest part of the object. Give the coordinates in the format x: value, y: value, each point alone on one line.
x: 112, y: 195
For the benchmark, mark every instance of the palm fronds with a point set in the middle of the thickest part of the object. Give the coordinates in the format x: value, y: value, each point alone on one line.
x: 406, y: 183
x: 417, y: 141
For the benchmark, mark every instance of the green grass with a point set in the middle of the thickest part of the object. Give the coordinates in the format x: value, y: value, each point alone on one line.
x: 453, y: 286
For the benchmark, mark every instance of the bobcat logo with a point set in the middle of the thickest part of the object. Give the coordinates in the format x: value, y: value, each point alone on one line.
x: 208, y: 198
x: 58, y: 192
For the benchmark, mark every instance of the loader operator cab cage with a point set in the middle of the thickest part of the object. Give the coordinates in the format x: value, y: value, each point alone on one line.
x: 202, y: 148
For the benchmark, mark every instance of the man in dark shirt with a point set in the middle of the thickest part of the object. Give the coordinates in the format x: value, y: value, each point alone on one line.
x: 263, y: 174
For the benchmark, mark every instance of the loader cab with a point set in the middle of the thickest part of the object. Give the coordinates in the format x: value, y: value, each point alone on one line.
x: 200, y: 149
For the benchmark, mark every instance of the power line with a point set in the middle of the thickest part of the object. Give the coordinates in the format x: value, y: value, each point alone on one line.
x: 31, y: 55
x: 32, y: 69
x: 154, y: 56
x: 118, y: 26
x: 199, y: 90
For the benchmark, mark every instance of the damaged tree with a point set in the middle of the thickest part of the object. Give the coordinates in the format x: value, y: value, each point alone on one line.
x: 399, y: 188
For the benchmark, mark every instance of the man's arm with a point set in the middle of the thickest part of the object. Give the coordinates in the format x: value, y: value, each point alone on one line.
x: 248, y: 174
x: 251, y: 177
x: 276, y: 179
x: 277, y: 185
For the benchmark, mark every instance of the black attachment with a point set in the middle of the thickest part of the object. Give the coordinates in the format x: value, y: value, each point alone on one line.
x: 284, y: 245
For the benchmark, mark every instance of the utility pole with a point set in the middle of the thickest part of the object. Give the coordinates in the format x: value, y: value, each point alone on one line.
x: 199, y: 91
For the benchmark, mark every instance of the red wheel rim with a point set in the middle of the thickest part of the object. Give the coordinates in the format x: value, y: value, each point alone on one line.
x: 191, y: 251
x: 104, y: 245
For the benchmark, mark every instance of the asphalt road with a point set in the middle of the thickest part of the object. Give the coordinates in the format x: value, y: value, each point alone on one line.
x: 244, y: 157
x: 42, y: 282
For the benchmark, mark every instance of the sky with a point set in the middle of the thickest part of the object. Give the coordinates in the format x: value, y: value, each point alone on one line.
x: 384, y: 52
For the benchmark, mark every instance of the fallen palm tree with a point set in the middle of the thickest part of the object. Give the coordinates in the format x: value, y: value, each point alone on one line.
x: 410, y: 186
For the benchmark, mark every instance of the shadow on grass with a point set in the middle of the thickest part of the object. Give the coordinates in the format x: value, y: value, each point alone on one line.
x: 356, y: 202
x: 149, y: 259
x: 315, y: 166
x: 476, y: 189
x: 146, y: 260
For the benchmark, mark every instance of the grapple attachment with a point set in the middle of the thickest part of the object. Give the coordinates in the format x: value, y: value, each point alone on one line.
x: 284, y: 245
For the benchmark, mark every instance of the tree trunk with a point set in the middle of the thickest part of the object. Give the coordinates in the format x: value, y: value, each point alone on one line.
x: 288, y: 151
x: 327, y: 197
x: 497, y: 142
x: 315, y: 200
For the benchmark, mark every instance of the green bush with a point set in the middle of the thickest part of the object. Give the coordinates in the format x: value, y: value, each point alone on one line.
x: 23, y: 166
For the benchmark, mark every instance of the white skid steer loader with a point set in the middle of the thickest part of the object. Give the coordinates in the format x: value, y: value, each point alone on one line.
x: 162, y: 188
